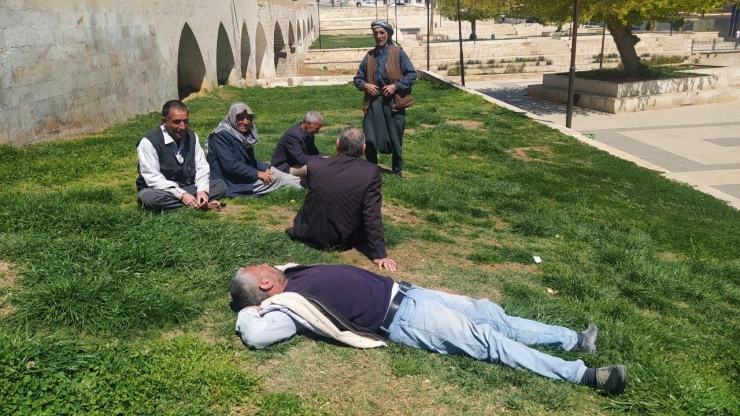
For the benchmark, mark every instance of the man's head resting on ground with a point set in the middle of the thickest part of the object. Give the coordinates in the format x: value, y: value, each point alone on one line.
x: 351, y: 142
x: 253, y: 284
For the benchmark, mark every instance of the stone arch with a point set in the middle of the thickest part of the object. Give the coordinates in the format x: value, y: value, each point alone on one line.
x: 281, y: 52
x: 246, y: 51
x: 191, y: 70
x: 260, y: 50
x: 224, y: 56
x: 291, y: 38
x: 298, y: 32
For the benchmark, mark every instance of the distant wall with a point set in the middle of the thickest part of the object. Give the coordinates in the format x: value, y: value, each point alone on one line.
x: 74, y: 66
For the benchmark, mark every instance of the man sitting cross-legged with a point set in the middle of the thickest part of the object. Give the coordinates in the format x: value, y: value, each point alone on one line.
x: 367, y: 308
x: 173, y: 171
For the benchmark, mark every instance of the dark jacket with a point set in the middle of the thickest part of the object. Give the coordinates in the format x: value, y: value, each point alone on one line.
x: 295, y: 148
x: 234, y: 164
x: 342, y: 208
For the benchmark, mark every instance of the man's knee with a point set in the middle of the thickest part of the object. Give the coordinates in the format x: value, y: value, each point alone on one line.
x: 216, y: 189
x: 157, y: 200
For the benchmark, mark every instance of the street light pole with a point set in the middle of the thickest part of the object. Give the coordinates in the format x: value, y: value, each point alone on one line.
x: 603, y: 37
x: 572, y: 77
x: 428, y: 28
x: 318, y: 12
x: 459, y: 37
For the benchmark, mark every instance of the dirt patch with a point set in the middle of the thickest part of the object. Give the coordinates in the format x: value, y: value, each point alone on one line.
x: 527, y: 154
x: 8, y: 280
x: 315, y: 372
x: 272, y: 219
x: 671, y: 257
x: 400, y: 214
x: 468, y: 124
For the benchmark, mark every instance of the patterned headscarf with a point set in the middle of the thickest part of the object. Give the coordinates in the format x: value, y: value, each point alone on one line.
x: 228, y: 124
x: 385, y: 26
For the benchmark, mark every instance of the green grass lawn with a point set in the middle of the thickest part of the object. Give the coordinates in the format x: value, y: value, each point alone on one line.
x: 108, y: 309
x: 338, y: 42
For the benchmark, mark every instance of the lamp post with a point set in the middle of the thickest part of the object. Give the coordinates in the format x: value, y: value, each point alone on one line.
x: 603, y: 37
x: 376, y: 9
x: 459, y: 37
x: 572, y: 76
x: 318, y: 12
x: 395, y: 11
x: 429, y: 4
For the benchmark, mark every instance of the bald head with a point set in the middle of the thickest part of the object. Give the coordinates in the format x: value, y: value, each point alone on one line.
x: 351, y: 142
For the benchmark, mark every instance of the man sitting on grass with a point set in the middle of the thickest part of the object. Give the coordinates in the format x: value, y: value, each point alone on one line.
x: 342, y: 208
x: 366, y: 308
x: 173, y: 171
x: 298, y: 145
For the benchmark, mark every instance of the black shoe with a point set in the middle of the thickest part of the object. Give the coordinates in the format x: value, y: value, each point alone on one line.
x: 587, y: 339
x: 398, y: 174
x: 612, y: 379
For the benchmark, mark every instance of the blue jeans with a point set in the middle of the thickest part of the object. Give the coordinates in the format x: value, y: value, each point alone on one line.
x: 452, y: 324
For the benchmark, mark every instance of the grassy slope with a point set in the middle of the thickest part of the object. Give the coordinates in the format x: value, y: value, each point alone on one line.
x: 106, y: 308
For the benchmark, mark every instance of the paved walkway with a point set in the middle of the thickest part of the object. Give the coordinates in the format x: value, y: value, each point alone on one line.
x: 698, y: 145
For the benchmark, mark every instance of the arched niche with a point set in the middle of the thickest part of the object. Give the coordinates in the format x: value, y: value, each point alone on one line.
x: 191, y: 70
x: 224, y: 56
x: 281, y: 52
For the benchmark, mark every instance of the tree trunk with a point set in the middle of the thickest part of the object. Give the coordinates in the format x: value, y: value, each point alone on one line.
x: 473, y: 35
x: 625, y: 41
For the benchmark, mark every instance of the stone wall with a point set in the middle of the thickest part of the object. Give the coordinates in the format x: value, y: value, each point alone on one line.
x: 74, y: 66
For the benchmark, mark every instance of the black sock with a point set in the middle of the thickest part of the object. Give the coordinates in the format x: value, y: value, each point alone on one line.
x: 579, y: 343
x: 589, y: 377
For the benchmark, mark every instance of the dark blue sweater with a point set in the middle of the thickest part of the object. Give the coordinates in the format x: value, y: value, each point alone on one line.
x: 360, y: 296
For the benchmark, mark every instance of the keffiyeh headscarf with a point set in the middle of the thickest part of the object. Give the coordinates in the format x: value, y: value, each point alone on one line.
x: 385, y: 26
x: 228, y: 124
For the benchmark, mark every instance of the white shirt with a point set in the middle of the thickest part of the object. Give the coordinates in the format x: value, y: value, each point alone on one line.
x: 149, y: 165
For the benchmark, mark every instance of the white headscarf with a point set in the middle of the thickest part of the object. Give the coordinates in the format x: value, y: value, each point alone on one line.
x: 228, y: 124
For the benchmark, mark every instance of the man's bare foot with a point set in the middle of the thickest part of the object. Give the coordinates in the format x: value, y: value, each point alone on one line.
x: 214, y: 206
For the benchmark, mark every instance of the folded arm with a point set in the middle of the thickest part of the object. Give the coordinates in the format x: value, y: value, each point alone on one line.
x: 261, y: 331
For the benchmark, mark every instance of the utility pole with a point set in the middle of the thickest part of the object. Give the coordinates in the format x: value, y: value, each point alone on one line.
x: 572, y: 77
x: 459, y: 37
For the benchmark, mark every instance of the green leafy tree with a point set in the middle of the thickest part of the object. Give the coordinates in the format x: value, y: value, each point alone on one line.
x: 471, y: 11
x: 619, y: 16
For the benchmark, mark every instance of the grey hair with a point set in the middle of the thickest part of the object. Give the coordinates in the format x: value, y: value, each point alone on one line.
x: 314, y: 117
x: 351, y: 141
x: 245, y: 290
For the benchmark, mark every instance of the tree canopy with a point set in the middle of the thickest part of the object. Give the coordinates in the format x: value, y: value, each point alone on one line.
x: 471, y: 10
x: 619, y: 16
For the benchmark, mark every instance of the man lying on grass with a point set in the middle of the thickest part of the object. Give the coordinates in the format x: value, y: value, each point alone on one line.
x: 363, y: 309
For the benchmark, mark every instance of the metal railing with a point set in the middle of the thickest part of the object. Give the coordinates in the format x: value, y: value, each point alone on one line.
x: 714, y: 45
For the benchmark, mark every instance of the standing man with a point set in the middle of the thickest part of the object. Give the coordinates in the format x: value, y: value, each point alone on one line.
x: 173, y: 171
x: 297, y: 146
x: 342, y: 208
x: 385, y: 75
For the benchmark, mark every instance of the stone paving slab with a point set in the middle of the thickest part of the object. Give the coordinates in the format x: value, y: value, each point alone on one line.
x: 698, y: 145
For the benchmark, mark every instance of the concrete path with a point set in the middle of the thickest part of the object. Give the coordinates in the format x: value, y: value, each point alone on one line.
x: 698, y: 145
